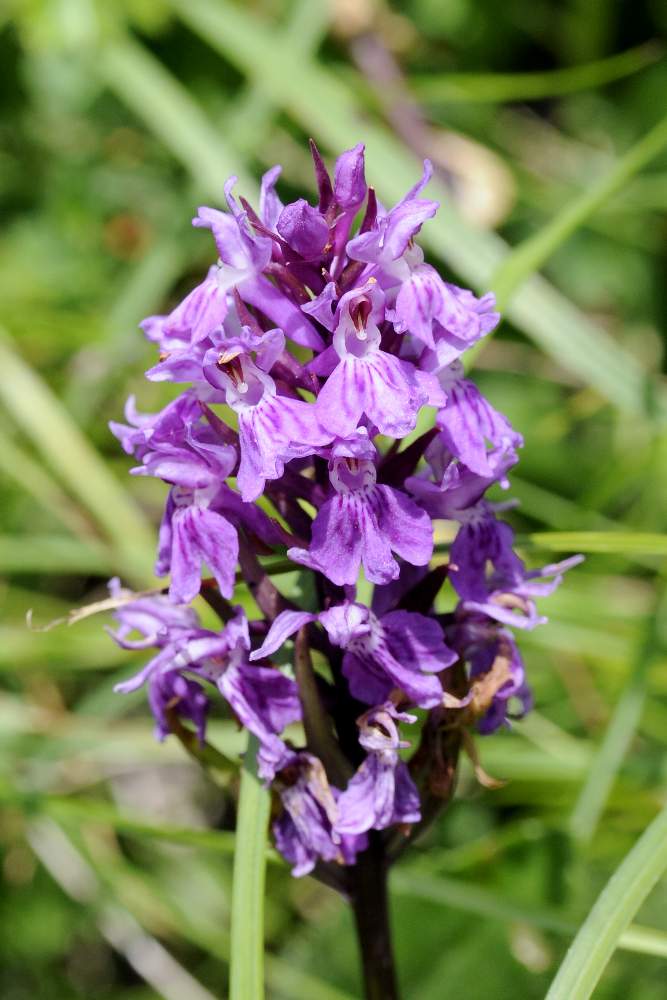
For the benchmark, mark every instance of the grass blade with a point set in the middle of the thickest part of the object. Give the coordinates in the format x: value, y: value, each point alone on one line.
x: 619, y: 733
x: 34, y: 479
x: 41, y: 416
x: 498, y: 88
x: 455, y: 893
x: 144, y: 291
x: 627, y: 543
x: 599, y: 935
x: 253, y: 111
x: 143, y: 952
x: 530, y: 255
x: 52, y: 554
x: 557, y: 511
x: 475, y: 899
x: 157, y: 97
x: 288, y: 981
x: 86, y: 810
x: 247, y: 936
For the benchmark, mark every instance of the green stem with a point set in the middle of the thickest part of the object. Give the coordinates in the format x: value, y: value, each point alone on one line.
x: 247, y: 934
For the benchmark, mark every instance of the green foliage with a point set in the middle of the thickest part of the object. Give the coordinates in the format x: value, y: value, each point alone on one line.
x: 118, y: 119
x: 246, y: 978
x: 622, y: 896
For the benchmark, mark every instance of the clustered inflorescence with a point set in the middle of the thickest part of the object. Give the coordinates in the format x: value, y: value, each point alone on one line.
x: 311, y: 349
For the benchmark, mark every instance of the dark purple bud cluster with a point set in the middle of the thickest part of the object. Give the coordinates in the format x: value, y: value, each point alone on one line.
x: 307, y: 345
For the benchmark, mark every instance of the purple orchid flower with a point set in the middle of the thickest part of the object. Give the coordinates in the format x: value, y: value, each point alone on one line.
x: 350, y: 188
x: 263, y: 699
x: 196, y: 317
x: 193, y: 531
x: 367, y: 380
x: 364, y: 522
x: 144, y: 431
x: 445, y: 318
x: 304, y: 229
x: 155, y: 617
x: 270, y: 205
x: 468, y: 421
x: 305, y: 832
x: 386, y: 244
x: 202, y: 513
x: 242, y: 254
x: 159, y: 622
x: 319, y: 333
x: 485, y: 570
x: 401, y: 650
x: 381, y: 792
x: 349, y: 192
x: 485, y: 645
x: 243, y: 257
x: 273, y: 429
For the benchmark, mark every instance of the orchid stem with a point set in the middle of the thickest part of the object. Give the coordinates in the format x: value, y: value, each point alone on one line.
x: 370, y: 903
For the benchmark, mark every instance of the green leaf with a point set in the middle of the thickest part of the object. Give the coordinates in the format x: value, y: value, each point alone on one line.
x: 247, y: 935
x: 42, y: 417
x: 601, y: 932
x: 498, y: 88
x: 81, y: 876
x: 286, y: 979
x: 252, y: 112
x: 627, y: 543
x: 556, y: 511
x: 531, y: 255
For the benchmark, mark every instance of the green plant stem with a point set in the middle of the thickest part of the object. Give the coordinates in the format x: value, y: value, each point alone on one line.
x: 599, y: 935
x: 246, y: 977
x: 370, y: 903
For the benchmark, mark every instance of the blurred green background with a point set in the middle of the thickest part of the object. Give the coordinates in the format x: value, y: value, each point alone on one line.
x: 118, y: 118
